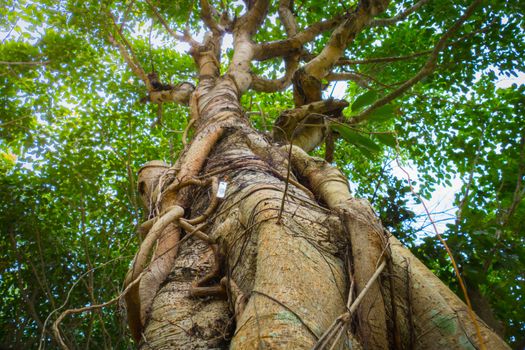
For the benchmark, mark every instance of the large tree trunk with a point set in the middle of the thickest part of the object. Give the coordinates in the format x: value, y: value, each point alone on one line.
x: 287, y: 265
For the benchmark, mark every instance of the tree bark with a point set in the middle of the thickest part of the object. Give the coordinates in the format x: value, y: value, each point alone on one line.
x: 292, y: 244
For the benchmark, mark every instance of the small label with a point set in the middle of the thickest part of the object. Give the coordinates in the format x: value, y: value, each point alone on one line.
x: 221, y: 191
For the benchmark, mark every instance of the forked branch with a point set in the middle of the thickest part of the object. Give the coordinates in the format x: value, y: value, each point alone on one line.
x: 255, y: 16
x: 207, y: 13
x: 272, y: 85
x: 157, y: 92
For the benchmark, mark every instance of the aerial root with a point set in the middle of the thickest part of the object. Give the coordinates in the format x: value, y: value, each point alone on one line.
x: 56, y: 324
x: 173, y: 214
x: 164, y: 231
x: 238, y: 298
x: 199, y: 289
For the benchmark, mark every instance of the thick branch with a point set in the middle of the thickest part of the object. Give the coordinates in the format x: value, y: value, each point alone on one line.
x: 272, y: 85
x: 181, y: 94
x: 426, y: 70
x: 287, y: 17
x: 288, y: 46
x: 207, y: 13
x: 304, y: 126
x: 255, y: 16
x: 383, y: 22
x: 342, y: 36
x: 243, y: 46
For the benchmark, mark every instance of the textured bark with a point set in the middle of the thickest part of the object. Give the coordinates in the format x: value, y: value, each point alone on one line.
x: 178, y: 321
x: 287, y: 258
x: 290, y: 268
x: 439, y: 317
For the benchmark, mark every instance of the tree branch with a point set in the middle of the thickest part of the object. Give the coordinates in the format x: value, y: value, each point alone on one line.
x: 373, y: 60
x: 255, y: 16
x: 357, y: 78
x: 287, y: 17
x: 383, y: 22
x: 342, y: 36
x: 40, y: 63
x: 133, y: 65
x: 243, y: 47
x: 426, y: 70
x: 383, y: 59
x: 300, y: 124
x: 181, y: 94
x: 265, y: 51
x: 273, y: 85
x: 157, y: 92
x: 127, y: 53
x: 207, y: 13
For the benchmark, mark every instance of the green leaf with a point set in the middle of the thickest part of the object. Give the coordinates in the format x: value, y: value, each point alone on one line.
x: 387, y: 139
x: 382, y: 114
x: 365, y: 152
x: 364, y: 100
x: 357, y: 139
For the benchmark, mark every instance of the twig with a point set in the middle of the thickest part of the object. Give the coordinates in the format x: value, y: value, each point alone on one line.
x: 56, y: 324
x: 182, y: 37
x: 287, y: 181
x: 426, y: 70
x: 41, y: 342
x: 383, y: 22
x: 186, y: 130
x: 39, y: 63
x: 346, y: 317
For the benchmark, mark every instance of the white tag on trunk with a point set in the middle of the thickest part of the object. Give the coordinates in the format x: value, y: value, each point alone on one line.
x: 221, y: 191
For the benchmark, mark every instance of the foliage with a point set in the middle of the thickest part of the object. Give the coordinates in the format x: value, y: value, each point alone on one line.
x: 74, y: 134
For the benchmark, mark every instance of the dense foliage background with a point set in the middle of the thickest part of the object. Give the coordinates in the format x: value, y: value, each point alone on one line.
x: 73, y: 134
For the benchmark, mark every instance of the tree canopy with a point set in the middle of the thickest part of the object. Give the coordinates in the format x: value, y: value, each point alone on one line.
x: 79, y: 117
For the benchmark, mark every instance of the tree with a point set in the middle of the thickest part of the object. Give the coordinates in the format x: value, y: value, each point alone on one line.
x: 249, y: 239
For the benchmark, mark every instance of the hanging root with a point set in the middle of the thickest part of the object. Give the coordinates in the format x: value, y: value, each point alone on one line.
x: 138, y: 299
x: 169, y: 217
x: 199, y: 288
x: 191, y: 163
x: 341, y: 324
x: 164, y: 230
